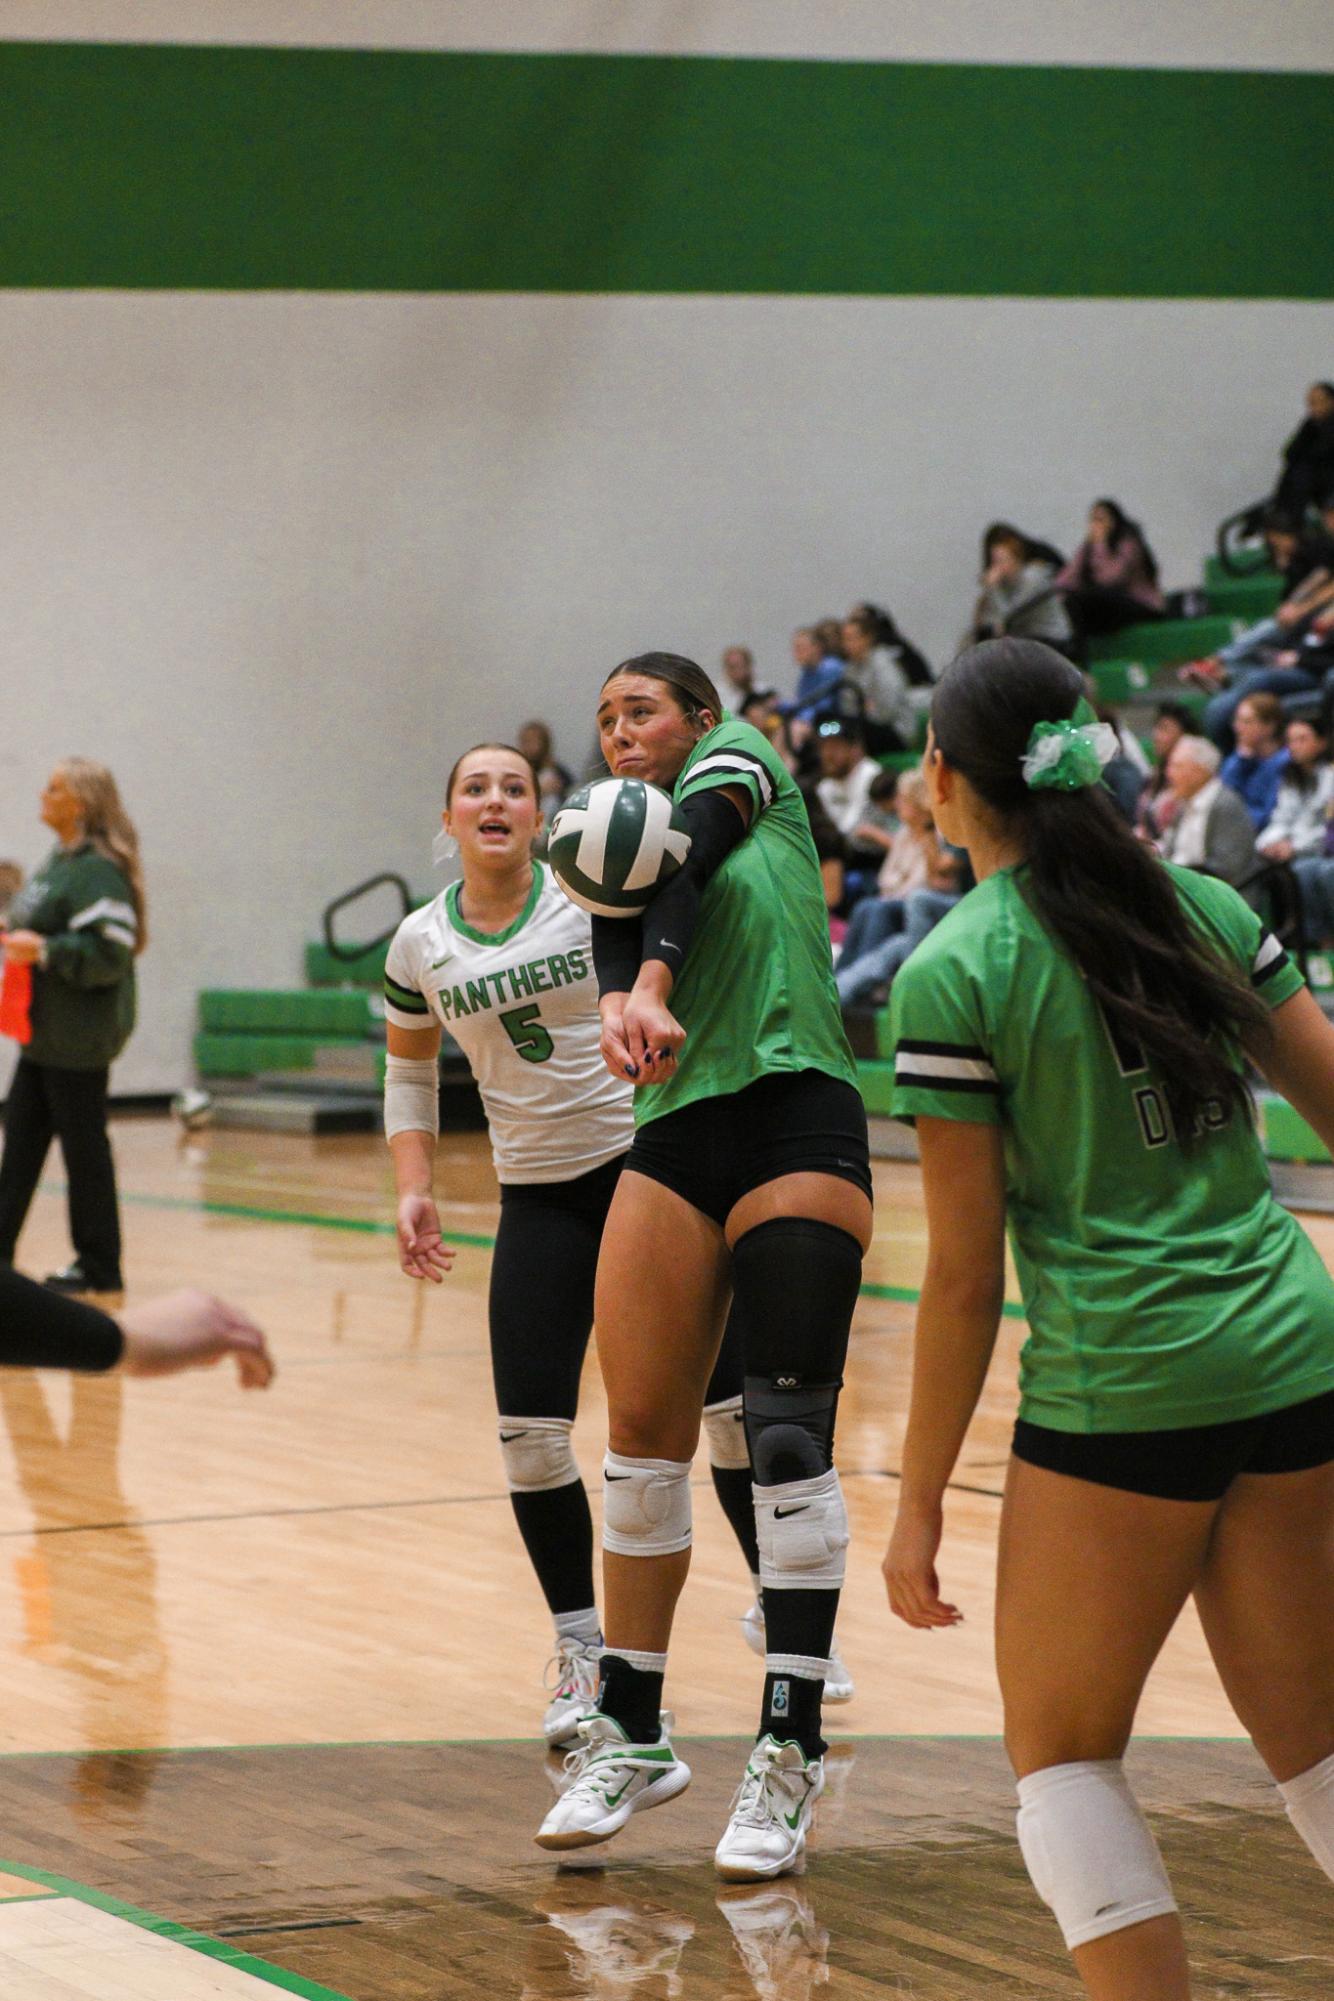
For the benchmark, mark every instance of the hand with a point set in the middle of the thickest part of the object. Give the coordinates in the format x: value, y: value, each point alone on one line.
x: 23, y: 948
x: 1280, y: 851
x: 421, y: 1252
x: 909, y: 1570
x: 615, y: 1053
x: 1289, y: 614
x: 192, y: 1330
x: 652, y: 1036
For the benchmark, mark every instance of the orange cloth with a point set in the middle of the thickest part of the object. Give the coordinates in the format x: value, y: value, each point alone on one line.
x: 16, y: 1002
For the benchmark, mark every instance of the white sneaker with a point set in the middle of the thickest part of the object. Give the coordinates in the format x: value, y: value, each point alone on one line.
x: 770, y: 1814
x: 611, y: 1778
x: 838, y: 1685
x: 576, y: 1688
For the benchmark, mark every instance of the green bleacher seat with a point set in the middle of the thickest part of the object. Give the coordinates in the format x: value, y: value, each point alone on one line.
x: 1163, y: 642
x: 300, y: 1011
x: 1255, y: 564
x: 367, y: 970
x: 1247, y: 597
x: 241, y: 1055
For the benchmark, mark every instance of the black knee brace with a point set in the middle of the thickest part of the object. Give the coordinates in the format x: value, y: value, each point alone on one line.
x: 795, y: 1283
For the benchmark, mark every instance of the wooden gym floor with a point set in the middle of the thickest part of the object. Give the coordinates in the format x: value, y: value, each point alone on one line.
x: 270, y: 1666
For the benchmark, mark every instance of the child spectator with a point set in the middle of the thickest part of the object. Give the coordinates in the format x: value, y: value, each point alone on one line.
x: 914, y: 859
x: 1112, y: 578
x: 1255, y: 769
x: 1019, y: 593
x: 1301, y: 814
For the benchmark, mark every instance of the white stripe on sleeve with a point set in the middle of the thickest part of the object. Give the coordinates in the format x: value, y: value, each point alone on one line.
x: 726, y: 760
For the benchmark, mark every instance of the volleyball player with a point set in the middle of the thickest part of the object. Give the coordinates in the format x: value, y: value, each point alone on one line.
x: 750, y: 1173
x: 503, y: 959
x: 1068, y: 1041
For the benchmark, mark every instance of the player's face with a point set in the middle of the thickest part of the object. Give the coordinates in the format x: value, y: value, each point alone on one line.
x: 492, y: 811
x: 643, y: 730
x: 61, y: 808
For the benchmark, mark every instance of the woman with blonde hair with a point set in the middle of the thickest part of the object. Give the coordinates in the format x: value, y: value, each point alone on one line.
x: 79, y: 924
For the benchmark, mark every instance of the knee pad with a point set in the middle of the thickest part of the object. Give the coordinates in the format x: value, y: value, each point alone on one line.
x: 802, y: 1529
x: 790, y: 1429
x: 537, y: 1453
x: 1089, y: 1850
x: 1309, y: 1799
x: 646, y: 1506
x: 725, y: 1430
x: 796, y: 1284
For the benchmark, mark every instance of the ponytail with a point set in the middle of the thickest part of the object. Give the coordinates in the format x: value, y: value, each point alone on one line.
x: 1104, y: 896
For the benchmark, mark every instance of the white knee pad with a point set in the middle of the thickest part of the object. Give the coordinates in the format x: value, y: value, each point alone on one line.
x: 725, y: 1430
x: 1309, y: 1799
x: 1089, y: 1850
x: 537, y: 1453
x: 802, y: 1528
x: 646, y: 1506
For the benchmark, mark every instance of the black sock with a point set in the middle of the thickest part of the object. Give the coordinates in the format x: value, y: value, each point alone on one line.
x: 632, y: 1697
x: 736, y: 1497
x: 557, y: 1531
x: 792, y: 1711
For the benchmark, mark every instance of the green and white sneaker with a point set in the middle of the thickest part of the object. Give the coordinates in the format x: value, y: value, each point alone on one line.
x: 575, y: 1693
x: 770, y: 1814
x: 610, y: 1778
x: 838, y: 1683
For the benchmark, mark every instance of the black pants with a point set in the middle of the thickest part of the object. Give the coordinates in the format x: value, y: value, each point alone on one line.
x: 1098, y: 608
x: 70, y: 1105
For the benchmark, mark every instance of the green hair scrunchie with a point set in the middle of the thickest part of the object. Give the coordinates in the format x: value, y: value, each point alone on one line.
x: 1069, y: 755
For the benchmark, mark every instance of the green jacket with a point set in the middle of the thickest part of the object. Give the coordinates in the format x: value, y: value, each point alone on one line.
x: 83, y: 998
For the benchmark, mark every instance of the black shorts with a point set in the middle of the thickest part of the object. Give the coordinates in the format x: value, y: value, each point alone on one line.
x: 714, y: 1151
x: 541, y: 1304
x: 1196, y: 1464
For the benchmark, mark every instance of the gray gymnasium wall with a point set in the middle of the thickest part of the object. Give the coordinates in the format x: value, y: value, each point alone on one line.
x: 276, y: 556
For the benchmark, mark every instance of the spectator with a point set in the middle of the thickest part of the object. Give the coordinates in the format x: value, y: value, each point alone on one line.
x: 1158, y: 804
x: 1112, y: 578
x: 11, y: 882
x: 914, y: 859
x: 818, y: 675
x: 1271, y: 657
x: 873, y: 672
x: 1124, y: 774
x: 760, y: 710
x: 830, y: 851
x: 1308, y: 456
x: 914, y: 664
x: 554, y: 782
x: 1301, y: 815
x: 1256, y: 767
x: 1212, y: 830
x: 739, y: 677
x: 847, y: 775
x: 866, y: 978
x: 1019, y: 594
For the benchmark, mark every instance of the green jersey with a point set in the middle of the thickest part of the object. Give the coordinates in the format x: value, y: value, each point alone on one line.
x: 756, y: 993
x: 1163, y: 1288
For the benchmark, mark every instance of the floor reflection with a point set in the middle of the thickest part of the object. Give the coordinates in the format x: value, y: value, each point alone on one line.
x: 89, y: 1595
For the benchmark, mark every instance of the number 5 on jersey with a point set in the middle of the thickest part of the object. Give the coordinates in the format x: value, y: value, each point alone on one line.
x: 526, y: 1032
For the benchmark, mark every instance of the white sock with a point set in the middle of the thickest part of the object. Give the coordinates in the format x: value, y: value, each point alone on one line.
x: 1309, y: 1799
x: 646, y: 1663
x: 584, y: 1626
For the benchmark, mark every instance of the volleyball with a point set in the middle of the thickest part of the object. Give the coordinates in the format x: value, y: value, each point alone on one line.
x: 615, y: 842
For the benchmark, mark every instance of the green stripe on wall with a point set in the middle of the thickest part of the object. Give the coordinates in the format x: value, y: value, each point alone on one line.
x: 331, y: 169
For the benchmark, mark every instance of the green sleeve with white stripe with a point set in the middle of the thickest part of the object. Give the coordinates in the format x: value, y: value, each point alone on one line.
x: 733, y: 754
x: 942, y: 1068
x: 96, y: 947
x: 1230, y: 924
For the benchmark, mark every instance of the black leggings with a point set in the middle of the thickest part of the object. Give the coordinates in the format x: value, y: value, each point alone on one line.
x: 541, y: 1304
x: 46, y: 1103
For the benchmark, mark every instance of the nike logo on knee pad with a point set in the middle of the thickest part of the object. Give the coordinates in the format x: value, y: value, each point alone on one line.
x: 781, y: 1514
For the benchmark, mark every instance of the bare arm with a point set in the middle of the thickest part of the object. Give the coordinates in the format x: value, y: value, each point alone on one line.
x: 1299, y: 1062
x: 421, y: 1251
x: 963, y: 1176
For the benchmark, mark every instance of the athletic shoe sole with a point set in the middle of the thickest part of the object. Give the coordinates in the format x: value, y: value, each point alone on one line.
x: 663, y: 1789
x: 761, y: 1872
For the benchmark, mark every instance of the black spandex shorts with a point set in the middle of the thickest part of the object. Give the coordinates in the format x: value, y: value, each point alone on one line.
x: 714, y: 1151
x: 541, y: 1305
x: 1198, y: 1464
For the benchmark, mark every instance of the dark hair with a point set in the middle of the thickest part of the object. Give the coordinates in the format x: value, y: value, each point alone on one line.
x: 686, y: 679
x: 1279, y: 521
x: 1122, y: 525
x: 1101, y: 893
x: 880, y: 626
x: 829, y: 632
x: 1302, y: 777
x: 461, y: 761
x: 1034, y: 551
x: 1175, y: 712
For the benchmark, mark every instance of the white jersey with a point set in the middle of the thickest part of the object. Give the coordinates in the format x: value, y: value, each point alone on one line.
x: 522, y: 1005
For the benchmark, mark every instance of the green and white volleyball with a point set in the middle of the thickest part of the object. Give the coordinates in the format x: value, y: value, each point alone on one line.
x: 614, y: 843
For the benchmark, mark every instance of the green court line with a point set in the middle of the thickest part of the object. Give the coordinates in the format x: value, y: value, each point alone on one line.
x: 209, y: 1948
x: 368, y: 1227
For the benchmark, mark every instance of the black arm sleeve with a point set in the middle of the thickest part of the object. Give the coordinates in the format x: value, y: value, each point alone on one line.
x: 40, y: 1329
x: 716, y: 827
x: 616, y: 953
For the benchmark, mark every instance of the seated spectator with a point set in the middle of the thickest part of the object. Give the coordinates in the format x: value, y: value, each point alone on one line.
x: 554, y: 782
x: 1124, y: 774
x: 864, y: 979
x: 873, y: 675
x: 1212, y: 830
x: 1158, y: 804
x: 1301, y: 816
x: 760, y: 710
x: 1308, y: 456
x: 1271, y: 656
x: 1256, y: 767
x: 1112, y: 578
x: 847, y: 775
x: 914, y: 859
x: 818, y: 675
x: 830, y: 850
x: 1019, y: 593
x: 915, y: 666
x: 871, y: 840
x: 739, y: 677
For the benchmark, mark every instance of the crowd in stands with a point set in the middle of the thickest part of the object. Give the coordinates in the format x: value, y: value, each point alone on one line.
x: 1248, y: 791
